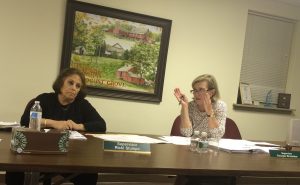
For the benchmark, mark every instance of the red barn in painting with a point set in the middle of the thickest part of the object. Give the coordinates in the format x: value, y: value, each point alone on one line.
x: 127, y: 73
x: 134, y: 33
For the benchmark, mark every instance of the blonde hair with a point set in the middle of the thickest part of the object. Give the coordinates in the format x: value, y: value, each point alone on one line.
x: 211, y: 83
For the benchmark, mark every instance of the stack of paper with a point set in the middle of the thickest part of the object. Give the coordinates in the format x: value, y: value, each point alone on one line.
x: 177, y: 140
x: 244, y: 146
x: 9, y: 124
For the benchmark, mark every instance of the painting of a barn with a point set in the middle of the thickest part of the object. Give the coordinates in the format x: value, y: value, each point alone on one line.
x: 134, y: 33
x: 127, y: 73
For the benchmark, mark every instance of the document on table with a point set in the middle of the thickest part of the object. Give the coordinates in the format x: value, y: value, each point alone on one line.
x: 76, y: 135
x: 128, y: 138
x: 177, y: 140
x: 73, y: 135
x: 244, y: 146
x: 9, y: 124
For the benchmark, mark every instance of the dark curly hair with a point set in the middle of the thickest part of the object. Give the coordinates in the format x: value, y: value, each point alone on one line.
x: 58, y: 83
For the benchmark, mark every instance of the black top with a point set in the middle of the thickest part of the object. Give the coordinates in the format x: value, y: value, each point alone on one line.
x: 79, y: 111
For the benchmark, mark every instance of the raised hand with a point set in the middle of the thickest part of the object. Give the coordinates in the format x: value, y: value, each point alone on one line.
x: 181, y: 98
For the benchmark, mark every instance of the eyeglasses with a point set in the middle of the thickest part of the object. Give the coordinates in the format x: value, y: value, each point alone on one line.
x: 201, y: 90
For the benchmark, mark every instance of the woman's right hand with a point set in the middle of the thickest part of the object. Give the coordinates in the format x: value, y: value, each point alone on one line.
x: 60, y: 125
x: 181, y: 98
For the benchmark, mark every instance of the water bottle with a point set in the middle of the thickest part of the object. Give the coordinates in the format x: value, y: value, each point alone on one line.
x: 203, y: 143
x: 194, y: 141
x: 35, y: 116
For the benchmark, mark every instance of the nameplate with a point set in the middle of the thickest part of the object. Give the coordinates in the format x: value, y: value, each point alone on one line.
x: 284, y: 154
x: 30, y: 141
x: 116, y: 146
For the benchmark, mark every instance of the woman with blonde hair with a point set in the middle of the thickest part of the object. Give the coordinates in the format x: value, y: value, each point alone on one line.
x: 206, y: 112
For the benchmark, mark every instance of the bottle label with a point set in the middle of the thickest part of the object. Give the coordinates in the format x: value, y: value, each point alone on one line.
x: 35, y: 120
x: 35, y: 115
x: 203, y: 144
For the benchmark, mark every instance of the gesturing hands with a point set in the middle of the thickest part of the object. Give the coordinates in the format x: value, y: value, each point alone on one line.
x: 204, y: 101
x: 181, y: 98
x: 202, y: 98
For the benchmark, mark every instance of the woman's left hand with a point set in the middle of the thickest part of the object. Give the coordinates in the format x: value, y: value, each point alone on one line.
x: 205, y: 97
x: 76, y: 126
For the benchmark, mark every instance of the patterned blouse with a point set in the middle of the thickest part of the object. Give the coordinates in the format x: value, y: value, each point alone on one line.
x: 200, y: 120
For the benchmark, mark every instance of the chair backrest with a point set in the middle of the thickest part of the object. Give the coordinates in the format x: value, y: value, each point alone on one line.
x: 175, y: 131
x: 231, y: 130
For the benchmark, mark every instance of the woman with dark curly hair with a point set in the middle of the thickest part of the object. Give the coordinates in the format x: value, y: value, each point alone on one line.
x: 65, y: 109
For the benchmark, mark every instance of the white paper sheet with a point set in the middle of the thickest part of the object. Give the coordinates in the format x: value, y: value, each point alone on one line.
x: 76, y: 135
x: 177, y: 140
x: 9, y: 124
x: 266, y: 144
x: 127, y: 138
x: 244, y: 146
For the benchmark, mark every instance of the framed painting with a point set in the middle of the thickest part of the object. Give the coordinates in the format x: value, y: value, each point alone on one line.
x: 122, y: 54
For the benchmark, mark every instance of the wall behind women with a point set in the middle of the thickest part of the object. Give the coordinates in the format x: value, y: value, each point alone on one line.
x: 206, y: 37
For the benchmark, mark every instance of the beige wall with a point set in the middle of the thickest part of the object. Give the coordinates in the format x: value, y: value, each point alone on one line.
x: 206, y: 37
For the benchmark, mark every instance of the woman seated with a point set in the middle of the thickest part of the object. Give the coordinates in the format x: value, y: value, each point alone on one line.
x: 205, y: 113
x: 65, y: 109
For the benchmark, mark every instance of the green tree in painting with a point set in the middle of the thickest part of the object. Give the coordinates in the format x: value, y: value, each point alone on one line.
x: 95, y: 41
x: 144, y: 58
x: 126, y: 55
x: 80, y: 30
x: 155, y: 36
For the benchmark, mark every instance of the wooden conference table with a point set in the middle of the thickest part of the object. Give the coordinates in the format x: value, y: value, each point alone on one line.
x: 88, y: 156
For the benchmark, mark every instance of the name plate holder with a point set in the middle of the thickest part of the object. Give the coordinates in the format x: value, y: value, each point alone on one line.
x: 30, y: 141
x: 119, y: 146
x: 284, y: 154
